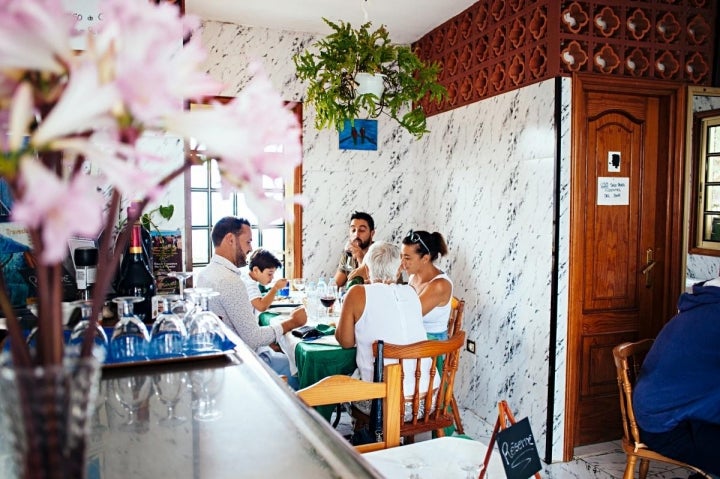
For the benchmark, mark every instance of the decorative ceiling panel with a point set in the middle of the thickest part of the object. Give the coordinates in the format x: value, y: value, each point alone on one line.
x: 497, y: 46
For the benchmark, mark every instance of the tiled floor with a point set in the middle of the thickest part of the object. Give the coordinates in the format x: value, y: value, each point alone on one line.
x: 606, y: 461
x: 602, y: 461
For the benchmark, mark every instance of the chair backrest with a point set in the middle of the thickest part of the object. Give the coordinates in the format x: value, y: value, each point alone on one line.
x: 628, y: 359
x: 339, y: 389
x: 457, y: 312
x: 436, y: 401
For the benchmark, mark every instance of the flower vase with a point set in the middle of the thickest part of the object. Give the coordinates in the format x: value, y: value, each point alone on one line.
x: 46, y: 413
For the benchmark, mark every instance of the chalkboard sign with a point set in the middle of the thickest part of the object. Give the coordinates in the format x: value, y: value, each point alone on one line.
x: 517, y: 448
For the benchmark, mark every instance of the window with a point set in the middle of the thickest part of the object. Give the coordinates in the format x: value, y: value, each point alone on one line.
x: 205, y: 206
x: 707, y: 183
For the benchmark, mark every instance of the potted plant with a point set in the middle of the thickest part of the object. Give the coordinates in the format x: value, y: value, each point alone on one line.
x: 333, y: 71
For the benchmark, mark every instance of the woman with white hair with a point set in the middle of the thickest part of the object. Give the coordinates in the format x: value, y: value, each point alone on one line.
x: 382, y: 310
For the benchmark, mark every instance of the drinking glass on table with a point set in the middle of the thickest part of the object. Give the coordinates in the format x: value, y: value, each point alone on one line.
x: 183, y: 304
x: 328, y: 298
x: 130, y: 338
x: 167, y: 337
x: 205, y: 333
x: 298, y: 284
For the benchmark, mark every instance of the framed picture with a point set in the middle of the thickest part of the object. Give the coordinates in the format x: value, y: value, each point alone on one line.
x: 362, y: 135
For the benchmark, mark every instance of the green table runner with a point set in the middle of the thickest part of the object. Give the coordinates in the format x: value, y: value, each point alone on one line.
x: 317, y: 361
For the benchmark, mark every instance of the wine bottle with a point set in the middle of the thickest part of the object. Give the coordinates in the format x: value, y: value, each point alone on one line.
x: 136, y: 278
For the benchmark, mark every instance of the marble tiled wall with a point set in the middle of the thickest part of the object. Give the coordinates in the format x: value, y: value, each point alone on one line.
x: 484, y: 177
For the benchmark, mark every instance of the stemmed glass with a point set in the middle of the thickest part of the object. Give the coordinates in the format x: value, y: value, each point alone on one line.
x: 130, y: 339
x: 328, y: 298
x: 77, y: 336
x: 206, y: 384
x: 193, y: 302
x: 133, y: 392
x: 183, y: 305
x: 169, y: 388
x: 298, y: 284
x: 168, y: 334
x: 205, y: 330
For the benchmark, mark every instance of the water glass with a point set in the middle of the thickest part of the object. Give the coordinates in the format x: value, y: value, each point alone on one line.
x: 168, y: 334
x: 130, y: 339
x: 77, y: 335
x: 205, y: 332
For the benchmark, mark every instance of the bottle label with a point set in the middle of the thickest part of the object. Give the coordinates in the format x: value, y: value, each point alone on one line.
x: 81, y: 278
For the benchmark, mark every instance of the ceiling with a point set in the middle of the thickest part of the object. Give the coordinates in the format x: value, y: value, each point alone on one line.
x: 406, y: 20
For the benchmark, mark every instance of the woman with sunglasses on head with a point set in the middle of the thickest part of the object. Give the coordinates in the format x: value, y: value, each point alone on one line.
x: 419, y: 251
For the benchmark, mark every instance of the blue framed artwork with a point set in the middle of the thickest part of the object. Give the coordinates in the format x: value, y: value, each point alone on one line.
x: 362, y: 135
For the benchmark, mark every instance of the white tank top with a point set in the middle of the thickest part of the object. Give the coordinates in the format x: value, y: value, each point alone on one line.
x: 392, y: 313
x: 436, y: 320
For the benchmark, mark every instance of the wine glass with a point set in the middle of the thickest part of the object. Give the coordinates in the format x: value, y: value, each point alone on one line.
x: 298, y: 284
x: 472, y: 469
x: 183, y: 305
x: 328, y: 298
x: 169, y: 388
x: 167, y: 337
x: 133, y: 392
x: 130, y: 338
x: 193, y: 302
x: 205, y: 332
x: 77, y: 335
x: 206, y: 384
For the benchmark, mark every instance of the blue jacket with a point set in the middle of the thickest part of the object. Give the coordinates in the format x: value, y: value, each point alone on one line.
x: 680, y: 378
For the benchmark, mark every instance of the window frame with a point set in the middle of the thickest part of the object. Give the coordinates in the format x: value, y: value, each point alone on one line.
x: 293, y: 231
x: 701, y: 122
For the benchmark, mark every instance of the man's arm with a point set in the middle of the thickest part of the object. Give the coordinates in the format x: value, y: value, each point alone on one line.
x: 297, y: 318
x: 236, y: 311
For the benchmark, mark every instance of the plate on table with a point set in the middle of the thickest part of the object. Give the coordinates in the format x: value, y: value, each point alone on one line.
x: 283, y: 308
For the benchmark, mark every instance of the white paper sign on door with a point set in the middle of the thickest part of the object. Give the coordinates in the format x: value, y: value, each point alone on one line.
x: 613, y: 191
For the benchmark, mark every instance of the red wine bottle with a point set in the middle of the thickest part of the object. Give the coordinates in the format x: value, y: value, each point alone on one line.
x: 136, y: 278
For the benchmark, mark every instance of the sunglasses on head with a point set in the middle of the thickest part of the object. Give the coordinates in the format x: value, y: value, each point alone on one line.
x: 415, y: 238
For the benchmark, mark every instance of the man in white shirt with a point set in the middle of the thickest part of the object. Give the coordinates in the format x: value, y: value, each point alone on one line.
x: 232, y: 239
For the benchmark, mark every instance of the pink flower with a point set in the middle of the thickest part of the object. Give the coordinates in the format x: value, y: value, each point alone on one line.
x: 250, y: 141
x: 35, y: 35
x: 60, y: 208
x: 120, y: 164
x: 152, y: 70
x: 85, y: 105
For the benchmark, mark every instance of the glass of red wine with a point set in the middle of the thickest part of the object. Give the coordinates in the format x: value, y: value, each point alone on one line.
x: 328, y: 298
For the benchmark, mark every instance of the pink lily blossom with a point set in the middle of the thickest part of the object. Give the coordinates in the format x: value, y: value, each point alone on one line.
x: 21, y: 47
x: 153, y: 71
x: 62, y: 208
x: 85, y: 105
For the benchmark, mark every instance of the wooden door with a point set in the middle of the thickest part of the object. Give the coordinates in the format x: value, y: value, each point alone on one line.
x: 624, y: 263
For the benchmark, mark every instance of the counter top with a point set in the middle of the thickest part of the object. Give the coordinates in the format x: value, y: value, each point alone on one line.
x: 227, y: 417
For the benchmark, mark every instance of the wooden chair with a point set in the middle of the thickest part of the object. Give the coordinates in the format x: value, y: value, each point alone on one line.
x: 628, y: 359
x: 339, y: 388
x: 455, y: 323
x: 436, y: 403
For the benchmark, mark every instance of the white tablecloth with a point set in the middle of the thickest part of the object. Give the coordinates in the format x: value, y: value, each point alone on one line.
x: 442, y: 458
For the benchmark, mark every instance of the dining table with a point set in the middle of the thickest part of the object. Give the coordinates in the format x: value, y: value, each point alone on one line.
x: 442, y: 458
x: 313, y: 359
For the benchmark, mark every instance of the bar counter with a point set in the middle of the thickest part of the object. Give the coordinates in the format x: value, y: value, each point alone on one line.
x: 228, y: 417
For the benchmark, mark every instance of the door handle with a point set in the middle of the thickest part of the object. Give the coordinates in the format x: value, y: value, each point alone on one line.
x: 649, y: 265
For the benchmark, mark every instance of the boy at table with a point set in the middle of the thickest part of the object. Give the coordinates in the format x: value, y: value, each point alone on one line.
x: 261, y: 270
x: 383, y: 310
x: 232, y: 239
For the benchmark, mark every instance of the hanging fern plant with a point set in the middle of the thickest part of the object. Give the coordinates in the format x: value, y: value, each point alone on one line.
x: 330, y: 71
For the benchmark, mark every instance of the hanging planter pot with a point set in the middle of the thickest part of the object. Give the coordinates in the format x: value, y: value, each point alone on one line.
x: 370, y: 83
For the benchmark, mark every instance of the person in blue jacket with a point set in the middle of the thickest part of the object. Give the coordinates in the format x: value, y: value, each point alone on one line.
x: 677, y: 394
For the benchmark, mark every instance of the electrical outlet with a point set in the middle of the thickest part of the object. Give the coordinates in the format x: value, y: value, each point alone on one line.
x: 470, y: 346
